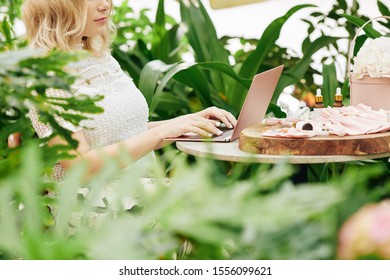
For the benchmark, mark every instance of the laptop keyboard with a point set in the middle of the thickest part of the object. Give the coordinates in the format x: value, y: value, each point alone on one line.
x: 226, y: 135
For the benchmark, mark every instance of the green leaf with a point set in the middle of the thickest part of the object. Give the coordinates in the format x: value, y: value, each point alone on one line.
x: 203, y: 38
x: 226, y: 69
x: 196, y: 79
x: 160, y: 42
x: 360, y: 40
x: 167, y: 77
x: 159, y: 25
x: 17, y: 56
x: 191, y: 76
x: 201, y: 33
x: 129, y: 64
x: 64, y: 133
x: 30, y: 187
x: 252, y: 64
x: 169, y: 102
x: 294, y: 74
x: 278, y: 113
x: 343, y: 4
x: 7, y: 31
x: 370, y: 31
x: 150, y: 76
x: 330, y: 83
x: 167, y: 46
x: 266, y: 42
x: 383, y: 9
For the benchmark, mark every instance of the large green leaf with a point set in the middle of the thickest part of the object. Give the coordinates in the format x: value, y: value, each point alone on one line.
x: 6, y: 30
x: 161, y: 43
x: 175, y: 46
x: 297, y: 72
x: 161, y: 85
x: 150, y: 76
x: 226, y: 69
x: 370, y: 31
x: 201, y: 33
x: 252, y: 64
x: 330, y: 83
x: 203, y: 38
x: 196, y: 79
x: 266, y: 42
x: 170, y: 102
x: 129, y: 63
x: 159, y: 26
x: 383, y: 9
x: 359, y: 42
x: 159, y: 73
x: 385, y: 12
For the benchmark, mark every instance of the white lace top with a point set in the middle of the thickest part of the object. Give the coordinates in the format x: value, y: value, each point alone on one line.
x: 125, y: 108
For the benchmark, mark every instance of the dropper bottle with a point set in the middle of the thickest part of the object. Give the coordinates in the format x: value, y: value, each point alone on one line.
x: 318, y: 106
x: 319, y: 99
x: 338, y: 99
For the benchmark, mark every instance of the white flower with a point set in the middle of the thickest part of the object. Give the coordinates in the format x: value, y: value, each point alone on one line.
x: 373, y: 59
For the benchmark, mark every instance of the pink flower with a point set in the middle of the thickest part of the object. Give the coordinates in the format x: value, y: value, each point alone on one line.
x: 366, y: 233
x: 373, y: 59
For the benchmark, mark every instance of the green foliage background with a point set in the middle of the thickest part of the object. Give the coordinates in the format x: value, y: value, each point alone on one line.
x: 207, y: 209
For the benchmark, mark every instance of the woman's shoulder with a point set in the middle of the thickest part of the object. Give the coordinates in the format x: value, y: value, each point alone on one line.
x: 105, y: 60
x: 96, y: 70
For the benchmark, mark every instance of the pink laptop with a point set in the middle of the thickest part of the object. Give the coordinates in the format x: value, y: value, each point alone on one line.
x: 252, y: 112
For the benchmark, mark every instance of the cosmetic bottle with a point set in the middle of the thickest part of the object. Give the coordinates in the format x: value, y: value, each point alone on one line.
x: 319, y: 99
x: 338, y: 99
x: 318, y: 106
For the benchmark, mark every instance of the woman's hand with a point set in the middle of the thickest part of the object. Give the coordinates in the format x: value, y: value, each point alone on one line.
x: 217, y: 116
x: 204, y: 123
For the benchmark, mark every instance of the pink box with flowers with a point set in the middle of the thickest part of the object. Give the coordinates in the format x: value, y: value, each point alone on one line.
x: 370, y: 75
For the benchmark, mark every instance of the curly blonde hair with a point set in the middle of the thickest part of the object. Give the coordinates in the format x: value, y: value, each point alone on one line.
x: 60, y: 23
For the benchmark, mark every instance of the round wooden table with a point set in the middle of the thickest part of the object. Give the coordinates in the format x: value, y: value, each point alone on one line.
x: 229, y: 151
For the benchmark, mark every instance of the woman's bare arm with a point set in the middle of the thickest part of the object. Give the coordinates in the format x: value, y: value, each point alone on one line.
x: 202, y: 123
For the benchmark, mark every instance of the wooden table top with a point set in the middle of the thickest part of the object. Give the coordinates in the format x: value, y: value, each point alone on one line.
x: 253, y: 140
x: 230, y: 151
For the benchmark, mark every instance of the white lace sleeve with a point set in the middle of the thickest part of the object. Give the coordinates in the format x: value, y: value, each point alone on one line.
x: 44, y: 130
x: 40, y: 128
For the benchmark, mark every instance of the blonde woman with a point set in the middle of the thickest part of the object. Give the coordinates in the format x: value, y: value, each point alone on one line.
x: 86, y: 24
